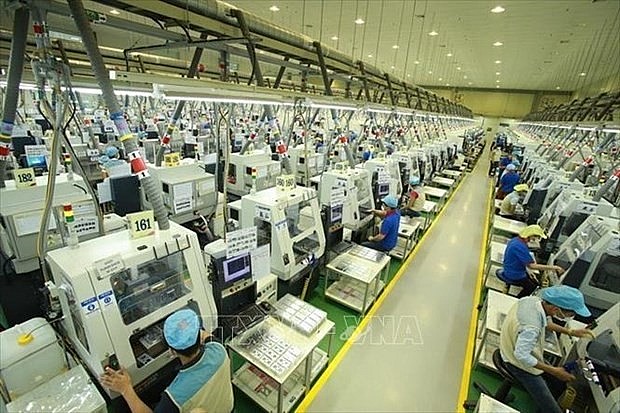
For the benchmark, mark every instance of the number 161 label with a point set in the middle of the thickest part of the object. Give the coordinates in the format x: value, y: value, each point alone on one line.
x: 24, y: 178
x: 141, y: 224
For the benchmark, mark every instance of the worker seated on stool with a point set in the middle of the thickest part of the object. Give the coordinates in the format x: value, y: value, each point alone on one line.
x: 387, y: 237
x: 522, y: 341
x: 518, y: 260
x: 511, y: 206
x: 416, y: 199
x: 203, y: 382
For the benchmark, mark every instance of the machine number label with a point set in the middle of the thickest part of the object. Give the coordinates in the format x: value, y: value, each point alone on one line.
x: 24, y: 178
x: 141, y: 224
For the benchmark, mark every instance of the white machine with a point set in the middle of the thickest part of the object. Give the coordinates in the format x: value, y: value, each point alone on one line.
x: 251, y: 170
x: 358, y: 194
x: 599, y: 360
x: 385, y: 176
x: 567, y: 212
x: 545, y: 192
x: 591, y: 257
x: 36, y: 374
x: 116, y: 292
x: 20, y: 217
x: 187, y: 191
x: 290, y: 221
x: 306, y: 164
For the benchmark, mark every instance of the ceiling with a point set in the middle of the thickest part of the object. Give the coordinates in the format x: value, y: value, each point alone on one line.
x: 546, y: 44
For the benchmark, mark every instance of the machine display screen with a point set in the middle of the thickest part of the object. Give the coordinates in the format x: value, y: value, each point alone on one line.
x: 237, y: 268
x: 607, y: 274
x: 336, y: 213
x: 383, y: 189
x: 573, y: 222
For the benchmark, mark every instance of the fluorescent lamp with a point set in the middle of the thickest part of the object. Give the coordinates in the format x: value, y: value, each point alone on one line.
x: 228, y: 100
x: 449, y: 54
x: 115, y: 12
x: 417, y: 62
x: 379, y: 111
x: 337, y: 107
x: 498, y: 44
x: 498, y: 9
x: 582, y: 74
x: 334, y: 37
x: 589, y: 129
x: 359, y: 21
x: 395, y: 46
x: 369, y: 55
x: 611, y: 130
x: 498, y: 62
x: 274, y: 8
x: 433, y: 33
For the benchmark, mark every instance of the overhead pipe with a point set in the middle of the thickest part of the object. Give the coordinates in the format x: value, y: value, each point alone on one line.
x: 14, y: 76
x: 128, y: 139
x: 191, y: 72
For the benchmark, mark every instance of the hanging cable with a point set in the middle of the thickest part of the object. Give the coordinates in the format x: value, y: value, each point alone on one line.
x: 415, y: 2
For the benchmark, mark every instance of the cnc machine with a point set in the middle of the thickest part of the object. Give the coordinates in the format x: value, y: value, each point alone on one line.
x: 116, y: 292
x: 253, y: 169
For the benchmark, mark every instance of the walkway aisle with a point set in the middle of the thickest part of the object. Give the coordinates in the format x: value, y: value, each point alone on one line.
x: 418, y: 365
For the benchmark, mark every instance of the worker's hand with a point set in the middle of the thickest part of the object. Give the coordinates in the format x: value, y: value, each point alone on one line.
x: 562, y: 374
x: 582, y: 332
x: 559, y: 270
x: 369, y: 238
x: 116, y: 380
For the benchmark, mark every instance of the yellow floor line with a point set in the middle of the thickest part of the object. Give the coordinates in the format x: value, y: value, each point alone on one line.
x: 305, y: 403
x: 469, y: 352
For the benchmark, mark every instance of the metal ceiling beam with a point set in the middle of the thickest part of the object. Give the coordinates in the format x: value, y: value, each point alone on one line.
x: 199, y: 43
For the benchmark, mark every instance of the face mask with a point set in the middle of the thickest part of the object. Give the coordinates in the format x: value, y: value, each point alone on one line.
x: 560, y: 316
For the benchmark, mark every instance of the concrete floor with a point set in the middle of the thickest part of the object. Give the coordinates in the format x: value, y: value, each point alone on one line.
x: 410, y: 358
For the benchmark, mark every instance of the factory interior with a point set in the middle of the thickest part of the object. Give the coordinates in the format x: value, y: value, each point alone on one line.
x: 310, y: 206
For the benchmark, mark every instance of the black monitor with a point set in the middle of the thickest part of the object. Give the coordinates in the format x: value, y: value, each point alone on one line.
x: 235, y: 269
x: 606, y: 276
x: 19, y: 144
x: 383, y: 190
x: 573, y: 222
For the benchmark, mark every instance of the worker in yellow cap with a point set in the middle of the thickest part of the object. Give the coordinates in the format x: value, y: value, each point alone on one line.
x: 510, y: 207
x: 519, y: 262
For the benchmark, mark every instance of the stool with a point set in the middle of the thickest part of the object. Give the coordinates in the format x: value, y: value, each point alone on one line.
x: 502, y: 394
x: 499, y: 273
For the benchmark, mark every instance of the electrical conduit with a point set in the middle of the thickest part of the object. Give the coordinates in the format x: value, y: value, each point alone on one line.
x: 129, y: 141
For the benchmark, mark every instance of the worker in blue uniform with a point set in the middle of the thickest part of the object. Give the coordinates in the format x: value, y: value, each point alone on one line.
x: 518, y: 260
x: 508, y: 181
x: 387, y: 237
x: 203, y: 382
x: 522, y: 341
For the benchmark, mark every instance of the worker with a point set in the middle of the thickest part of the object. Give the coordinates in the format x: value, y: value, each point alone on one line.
x: 416, y: 199
x: 519, y: 261
x: 504, y: 161
x: 494, y: 158
x: 508, y: 181
x: 522, y: 341
x: 386, y: 239
x: 510, y: 205
x: 203, y: 382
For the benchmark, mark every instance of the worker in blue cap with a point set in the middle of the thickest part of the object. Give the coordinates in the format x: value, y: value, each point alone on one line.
x: 203, y: 381
x: 522, y: 341
x: 387, y: 237
x: 415, y: 199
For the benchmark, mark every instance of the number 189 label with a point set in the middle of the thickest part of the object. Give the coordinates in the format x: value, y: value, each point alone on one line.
x: 24, y: 177
x: 141, y: 224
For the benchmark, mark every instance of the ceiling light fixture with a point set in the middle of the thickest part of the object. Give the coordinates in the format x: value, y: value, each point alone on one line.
x: 458, y: 68
x: 465, y: 77
x: 497, y: 73
x: 430, y: 72
x: 447, y: 84
x: 408, y: 74
x: 582, y: 74
x: 440, y: 79
x: 417, y: 62
x: 470, y: 83
x: 334, y: 37
x: 359, y: 21
x: 497, y: 81
x: 392, y: 67
x: 395, y: 46
x: 449, y: 55
x: 274, y: 8
x: 497, y: 87
x: 433, y: 33
x: 498, y: 9
x: 498, y: 44
x: 369, y: 55
x: 557, y: 88
x: 115, y: 12
x: 498, y: 62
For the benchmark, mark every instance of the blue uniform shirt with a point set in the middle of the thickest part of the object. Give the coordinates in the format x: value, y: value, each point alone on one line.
x: 516, y: 258
x: 508, y: 182
x: 389, y: 228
